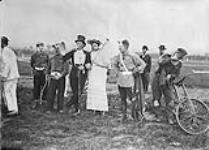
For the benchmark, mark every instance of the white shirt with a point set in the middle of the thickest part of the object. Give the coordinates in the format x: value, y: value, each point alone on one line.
x: 79, y: 57
x: 9, y: 67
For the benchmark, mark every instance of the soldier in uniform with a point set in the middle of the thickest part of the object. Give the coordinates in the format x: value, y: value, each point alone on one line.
x: 169, y: 69
x: 39, y: 64
x: 57, y: 70
x: 81, y: 63
x: 146, y: 74
x: 126, y: 65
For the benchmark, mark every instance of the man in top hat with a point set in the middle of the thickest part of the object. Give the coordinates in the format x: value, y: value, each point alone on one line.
x: 39, y: 64
x: 146, y: 74
x: 81, y: 63
x: 126, y: 65
x: 169, y: 69
x: 9, y: 76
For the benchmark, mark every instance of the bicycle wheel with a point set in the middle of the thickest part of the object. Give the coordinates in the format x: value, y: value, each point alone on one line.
x: 193, y: 116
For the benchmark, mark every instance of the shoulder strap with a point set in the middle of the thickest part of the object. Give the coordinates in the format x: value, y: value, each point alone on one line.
x: 122, y: 62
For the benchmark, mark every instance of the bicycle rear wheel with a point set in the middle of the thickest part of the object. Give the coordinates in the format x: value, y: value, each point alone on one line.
x: 193, y: 116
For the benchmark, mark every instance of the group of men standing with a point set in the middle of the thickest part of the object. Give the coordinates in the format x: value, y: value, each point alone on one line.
x: 50, y: 74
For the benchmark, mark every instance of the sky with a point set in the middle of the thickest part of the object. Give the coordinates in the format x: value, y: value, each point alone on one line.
x: 175, y: 23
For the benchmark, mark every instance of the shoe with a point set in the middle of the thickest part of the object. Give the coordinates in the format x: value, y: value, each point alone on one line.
x: 156, y: 103
x: 12, y: 113
x: 77, y: 112
x: 170, y: 121
x: 48, y: 112
x: 61, y: 111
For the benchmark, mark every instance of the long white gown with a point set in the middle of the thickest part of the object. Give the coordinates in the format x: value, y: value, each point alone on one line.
x: 96, y: 92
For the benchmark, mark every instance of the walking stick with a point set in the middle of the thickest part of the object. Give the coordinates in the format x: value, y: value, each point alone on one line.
x: 43, y: 89
x: 138, y: 103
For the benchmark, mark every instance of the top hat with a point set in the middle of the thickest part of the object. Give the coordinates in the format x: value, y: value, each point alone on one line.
x: 98, y: 42
x: 81, y: 38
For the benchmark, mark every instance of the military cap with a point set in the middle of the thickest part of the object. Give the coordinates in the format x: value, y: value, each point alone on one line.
x: 162, y: 47
x: 145, y: 47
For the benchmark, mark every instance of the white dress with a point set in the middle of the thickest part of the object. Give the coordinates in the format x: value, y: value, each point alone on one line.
x: 96, y: 92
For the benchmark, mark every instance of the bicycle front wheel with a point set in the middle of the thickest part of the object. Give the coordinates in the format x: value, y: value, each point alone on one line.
x: 192, y: 116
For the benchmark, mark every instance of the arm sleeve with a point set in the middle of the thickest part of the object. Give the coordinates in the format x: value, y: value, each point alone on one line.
x: 140, y: 64
x: 66, y: 68
x: 149, y: 64
x: 88, y: 58
x: 32, y: 61
x: 68, y: 56
x: 176, y: 73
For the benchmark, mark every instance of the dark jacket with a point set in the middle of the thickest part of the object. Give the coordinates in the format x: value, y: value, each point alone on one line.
x: 57, y: 64
x: 40, y: 60
x: 166, y: 68
x: 70, y: 56
x: 148, y: 60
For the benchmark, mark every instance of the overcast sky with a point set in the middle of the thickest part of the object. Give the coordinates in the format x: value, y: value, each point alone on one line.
x: 175, y: 23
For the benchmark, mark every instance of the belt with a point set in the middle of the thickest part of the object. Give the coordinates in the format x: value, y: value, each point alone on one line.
x: 39, y: 68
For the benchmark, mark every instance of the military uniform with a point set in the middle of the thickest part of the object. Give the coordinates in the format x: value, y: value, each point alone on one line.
x: 146, y: 74
x: 162, y: 83
x: 57, y: 86
x: 39, y: 64
x: 125, y: 65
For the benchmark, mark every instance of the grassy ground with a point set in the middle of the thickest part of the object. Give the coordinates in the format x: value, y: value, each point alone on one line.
x: 35, y: 130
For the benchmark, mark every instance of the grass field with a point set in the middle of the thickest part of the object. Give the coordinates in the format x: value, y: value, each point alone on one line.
x: 34, y: 130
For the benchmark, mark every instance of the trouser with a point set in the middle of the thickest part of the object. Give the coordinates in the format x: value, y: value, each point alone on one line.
x: 56, y: 88
x: 10, y: 94
x: 77, y: 83
x: 145, y: 80
x: 38, y: 82
x: 168, y: 92
x: 125, y: 92
x: 156, y: 89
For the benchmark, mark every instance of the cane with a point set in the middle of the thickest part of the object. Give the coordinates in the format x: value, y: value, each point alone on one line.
x: 43, y: 89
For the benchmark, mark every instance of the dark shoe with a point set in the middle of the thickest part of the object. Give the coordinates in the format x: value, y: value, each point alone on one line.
x: 76, y: 113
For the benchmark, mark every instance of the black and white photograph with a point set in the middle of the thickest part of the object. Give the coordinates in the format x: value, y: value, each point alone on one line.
x: 104, y: 75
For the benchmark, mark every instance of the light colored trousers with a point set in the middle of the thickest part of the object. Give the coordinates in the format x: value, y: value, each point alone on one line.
x: 10, y: 88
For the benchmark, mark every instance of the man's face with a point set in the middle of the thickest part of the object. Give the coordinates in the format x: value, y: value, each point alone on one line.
x: 58, y: 48
x: 79, y: 44
x: 161, y: 51
x: 41, y: 47
x: 144, y: 50
x: 95, y: 46
x: 122, y: 48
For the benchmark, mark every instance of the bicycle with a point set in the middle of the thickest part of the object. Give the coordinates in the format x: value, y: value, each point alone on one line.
x: 192, y: 115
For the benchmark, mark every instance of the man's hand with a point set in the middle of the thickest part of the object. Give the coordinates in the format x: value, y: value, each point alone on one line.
x: 168, y: 77
x: 88, y: 66
x: 81, y: 67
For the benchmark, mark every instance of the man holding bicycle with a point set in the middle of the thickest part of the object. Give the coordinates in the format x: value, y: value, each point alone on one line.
x: 169, y: 69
